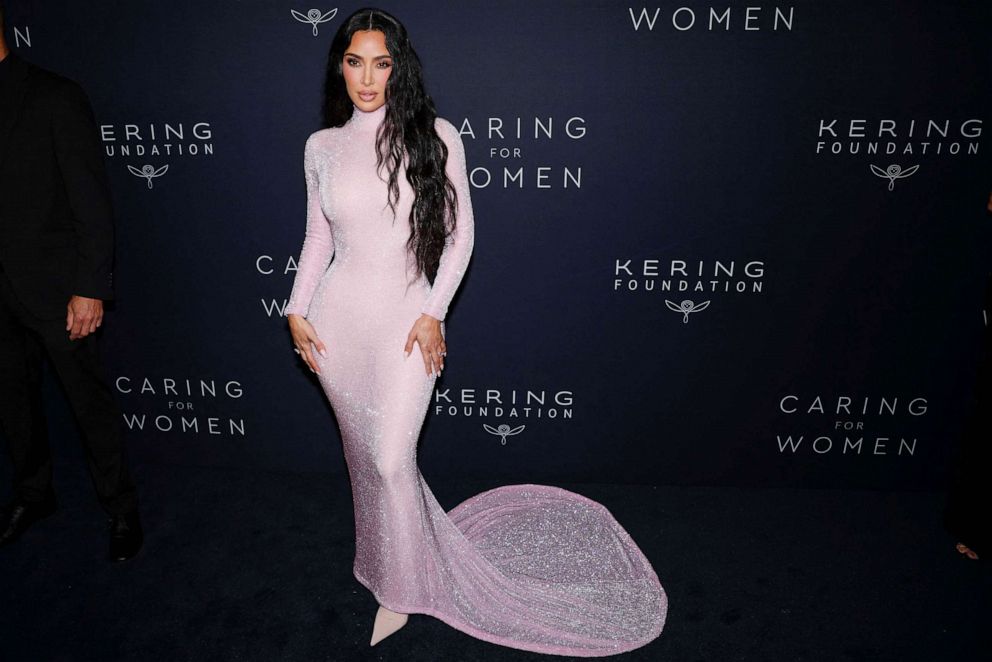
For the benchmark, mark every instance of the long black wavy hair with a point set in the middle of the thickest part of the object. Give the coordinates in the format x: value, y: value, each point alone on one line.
x: 408, y: 128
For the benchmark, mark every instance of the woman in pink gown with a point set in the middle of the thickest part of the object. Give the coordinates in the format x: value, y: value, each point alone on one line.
x: 528, y: 566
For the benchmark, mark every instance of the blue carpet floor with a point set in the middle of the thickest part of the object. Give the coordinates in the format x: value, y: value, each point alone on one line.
x: 257, y: 566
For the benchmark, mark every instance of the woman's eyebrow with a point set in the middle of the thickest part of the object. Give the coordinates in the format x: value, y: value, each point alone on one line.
x: 377, y: 57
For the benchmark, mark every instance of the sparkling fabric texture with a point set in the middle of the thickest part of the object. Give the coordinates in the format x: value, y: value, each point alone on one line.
x: 533, y: 567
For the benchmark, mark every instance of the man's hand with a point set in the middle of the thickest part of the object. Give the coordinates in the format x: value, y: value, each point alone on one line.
x: 84, y: 316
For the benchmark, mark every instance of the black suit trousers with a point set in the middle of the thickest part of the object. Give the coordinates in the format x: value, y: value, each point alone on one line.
x: 24, y: 341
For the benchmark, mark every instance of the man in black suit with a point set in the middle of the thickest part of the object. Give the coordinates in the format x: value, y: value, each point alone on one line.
x: 56, y: 257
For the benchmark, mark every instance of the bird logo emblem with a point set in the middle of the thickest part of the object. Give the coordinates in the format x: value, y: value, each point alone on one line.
x: 313, y: 17
x: 686, y: 307
x: 503, y: 431
x: 894, y: 172
x: 148, y: 172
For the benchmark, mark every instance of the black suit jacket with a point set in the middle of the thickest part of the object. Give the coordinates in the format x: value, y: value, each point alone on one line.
x: 56, y: 218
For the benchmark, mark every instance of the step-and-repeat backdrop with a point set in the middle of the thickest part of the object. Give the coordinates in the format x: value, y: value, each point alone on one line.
x: 716, y: 243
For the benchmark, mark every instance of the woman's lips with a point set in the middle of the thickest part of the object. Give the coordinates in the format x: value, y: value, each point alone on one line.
x: 367, y: 96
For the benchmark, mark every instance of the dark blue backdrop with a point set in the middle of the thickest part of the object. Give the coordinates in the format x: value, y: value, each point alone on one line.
x: 723, y: 245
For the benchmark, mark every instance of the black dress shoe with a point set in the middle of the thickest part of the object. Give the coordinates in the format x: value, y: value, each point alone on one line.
x: 126, y: 536
x: 18, y: 516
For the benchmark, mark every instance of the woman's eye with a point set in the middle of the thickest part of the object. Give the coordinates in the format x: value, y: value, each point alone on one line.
x: 385, y: 64
x: 353, y: 62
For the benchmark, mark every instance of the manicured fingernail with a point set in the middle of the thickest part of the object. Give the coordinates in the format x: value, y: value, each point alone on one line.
x: 323, y: 353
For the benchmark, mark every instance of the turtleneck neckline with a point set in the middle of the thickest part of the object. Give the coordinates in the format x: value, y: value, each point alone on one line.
x: 367, y: 119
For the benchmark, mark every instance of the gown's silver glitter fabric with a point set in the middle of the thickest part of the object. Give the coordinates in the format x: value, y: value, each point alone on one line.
x: 528, y: 566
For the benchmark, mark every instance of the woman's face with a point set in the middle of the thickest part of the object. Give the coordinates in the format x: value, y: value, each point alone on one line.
x: 366, y: 67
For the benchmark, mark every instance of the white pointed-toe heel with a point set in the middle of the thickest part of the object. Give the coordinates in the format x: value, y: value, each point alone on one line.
x: 386, y: 623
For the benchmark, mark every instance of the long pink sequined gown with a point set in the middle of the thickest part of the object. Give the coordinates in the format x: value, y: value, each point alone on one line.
x: 533, y: 567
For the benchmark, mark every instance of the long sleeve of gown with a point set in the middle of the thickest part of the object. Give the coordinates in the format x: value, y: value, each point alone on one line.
x: 458, y: 248
x: 318, y: 245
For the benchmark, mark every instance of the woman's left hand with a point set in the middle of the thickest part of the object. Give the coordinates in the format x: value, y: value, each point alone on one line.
x: 427, y: 332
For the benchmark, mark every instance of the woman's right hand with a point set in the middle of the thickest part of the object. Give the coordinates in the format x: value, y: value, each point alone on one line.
x: 305, y: 339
